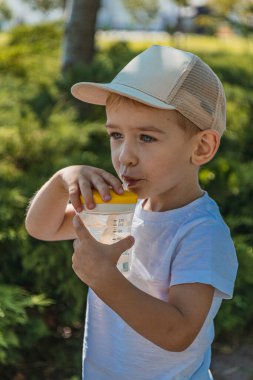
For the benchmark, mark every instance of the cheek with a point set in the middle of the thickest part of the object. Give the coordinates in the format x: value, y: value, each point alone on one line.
x: 115, y: 160
x: 167, y: 167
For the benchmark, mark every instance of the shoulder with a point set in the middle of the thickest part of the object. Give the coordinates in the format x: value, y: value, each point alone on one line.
x: 205, y: 220
x: 205, y: 250
x: 206, y: 232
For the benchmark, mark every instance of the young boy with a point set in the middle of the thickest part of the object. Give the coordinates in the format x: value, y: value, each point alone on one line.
x: 165, y: 116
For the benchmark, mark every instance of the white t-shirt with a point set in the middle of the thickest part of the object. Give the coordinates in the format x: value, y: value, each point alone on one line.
x: 185, y: 245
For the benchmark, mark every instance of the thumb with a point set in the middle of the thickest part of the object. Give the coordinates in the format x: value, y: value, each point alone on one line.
x: 121, y: 246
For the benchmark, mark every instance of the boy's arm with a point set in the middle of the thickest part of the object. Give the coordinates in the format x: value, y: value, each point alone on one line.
x: 172, y: 325
x: 49, y: 216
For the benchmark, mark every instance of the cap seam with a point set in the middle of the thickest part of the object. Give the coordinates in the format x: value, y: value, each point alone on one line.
x: 137, y: 89
x: 182, y: 78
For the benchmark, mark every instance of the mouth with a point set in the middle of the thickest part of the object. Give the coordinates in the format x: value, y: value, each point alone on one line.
x: 130, y: 181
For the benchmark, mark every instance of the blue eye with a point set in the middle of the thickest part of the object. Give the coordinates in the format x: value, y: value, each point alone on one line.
x: 115, y: 135
x: 147, y: 138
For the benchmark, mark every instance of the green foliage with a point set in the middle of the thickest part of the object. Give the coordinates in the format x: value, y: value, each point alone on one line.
x: 43, y: 35
x: 29, y: 49
x: 223, y: 6
x: 42, y: 129
x: 14, y: 304
x: 46, y: 5
x: 142, y: 11
x: 241, y: 10
x: 5, y: 12
x: 208, y: 24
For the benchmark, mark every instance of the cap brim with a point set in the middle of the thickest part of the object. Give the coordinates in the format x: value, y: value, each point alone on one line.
x: 97, y: 93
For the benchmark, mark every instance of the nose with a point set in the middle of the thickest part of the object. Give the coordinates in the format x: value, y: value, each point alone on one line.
x: 128, y: 154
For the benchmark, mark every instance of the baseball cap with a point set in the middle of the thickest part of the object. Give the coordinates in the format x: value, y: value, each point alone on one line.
x: 166, y: 78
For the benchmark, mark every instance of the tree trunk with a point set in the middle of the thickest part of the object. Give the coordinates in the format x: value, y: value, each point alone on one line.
x: 80, y: 29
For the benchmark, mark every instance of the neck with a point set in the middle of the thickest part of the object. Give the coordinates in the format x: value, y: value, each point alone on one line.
x: 172, y: 201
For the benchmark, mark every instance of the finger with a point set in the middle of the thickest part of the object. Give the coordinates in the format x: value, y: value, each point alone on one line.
x: 74, y: 197
x: 114, y: 182
x: 101, y: 186
x: 86, y: 192
x: 121, y: 246
x: 81, y: 231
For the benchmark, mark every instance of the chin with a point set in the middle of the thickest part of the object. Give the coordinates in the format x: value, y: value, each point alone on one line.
x: 142, y: 194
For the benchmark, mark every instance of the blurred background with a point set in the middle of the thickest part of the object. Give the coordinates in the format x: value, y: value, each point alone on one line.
x: 45, y: 47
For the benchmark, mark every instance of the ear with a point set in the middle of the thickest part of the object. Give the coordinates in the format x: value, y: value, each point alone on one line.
x: 206, y: 145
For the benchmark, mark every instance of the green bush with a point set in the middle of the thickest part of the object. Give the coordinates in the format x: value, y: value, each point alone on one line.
x: 42, y: 37
x: 14, y: 305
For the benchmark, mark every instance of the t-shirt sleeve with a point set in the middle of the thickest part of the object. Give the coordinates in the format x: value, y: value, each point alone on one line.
x: 205, y: 253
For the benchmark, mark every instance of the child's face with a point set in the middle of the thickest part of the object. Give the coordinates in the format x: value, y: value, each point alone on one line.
x: 151, y: 153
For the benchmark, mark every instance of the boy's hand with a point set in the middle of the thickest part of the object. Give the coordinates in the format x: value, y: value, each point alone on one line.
x: 68, y: 184
x: 81, y: 179
x: 93, y: 261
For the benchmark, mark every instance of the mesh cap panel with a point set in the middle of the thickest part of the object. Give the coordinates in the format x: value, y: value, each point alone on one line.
x: 199, y: 96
